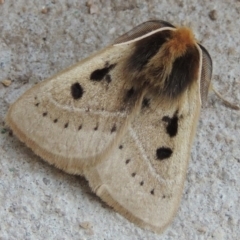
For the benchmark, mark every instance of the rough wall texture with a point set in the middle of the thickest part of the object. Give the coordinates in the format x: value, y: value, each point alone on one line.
x: 40, y: 38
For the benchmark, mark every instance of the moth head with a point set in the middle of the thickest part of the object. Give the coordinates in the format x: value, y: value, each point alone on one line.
x: 181, y: 39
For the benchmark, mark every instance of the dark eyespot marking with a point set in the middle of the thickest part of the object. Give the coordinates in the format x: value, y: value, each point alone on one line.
x: 121, y: 147
x: 66, y: 125
x: 80, y: 127
x: 10, y: 133
x: 108, y: 78
x: 130, y: 93
x: 127, y: 161
x: 152, y: 192
x: 96, y: 128
x: 133, y: 174
x: 172, y: 124
x: 44, y: 114
x: 163, y: 196
x: 76, y: 91
x: 99, y: 74
x: 146, y: 103
x: 145, y: 49
x: 141, y: 183
x: 114, y: 128
x: 184, y: 73
x: 166, y: 119
x: 55, y: 120
x: 37, y: 104
x: 163, y: 153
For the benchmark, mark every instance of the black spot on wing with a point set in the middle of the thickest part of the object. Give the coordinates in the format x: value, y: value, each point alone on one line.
x: 96, y: 128
x: 184, y: 72
x: 146, y: 103
x: 152, y: 191
x: 114, y: 128
x: 127, y: 161
x: 145, y: 49
x: 120, y: 147
x: 99, y: 74
x: 76, y: 91
x: 10, y: 133
x: 130, y: 93
x: 55, y: 120
x: 108, y: 78
x: 37, y: 104
x: 66, y: 125
x: 44, y: 114
x: 163, y: 153
x: 172, y: 124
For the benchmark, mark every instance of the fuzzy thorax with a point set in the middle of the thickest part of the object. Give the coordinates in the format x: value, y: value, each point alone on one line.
x: 160, y: 67
x: 180, y: 41
x: 169, y: 64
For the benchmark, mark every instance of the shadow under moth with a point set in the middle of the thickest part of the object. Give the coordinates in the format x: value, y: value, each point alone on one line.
x: 124, y: 118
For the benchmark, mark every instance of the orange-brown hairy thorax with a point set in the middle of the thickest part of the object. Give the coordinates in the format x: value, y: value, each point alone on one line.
x: 179, y: 43
x: 181, y: 40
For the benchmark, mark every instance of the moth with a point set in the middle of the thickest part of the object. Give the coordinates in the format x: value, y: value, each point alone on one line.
x: 124, y: 118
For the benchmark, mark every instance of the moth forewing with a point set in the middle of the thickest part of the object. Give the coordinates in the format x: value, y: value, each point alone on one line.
x: 143, y: 29
x: 129, y: 39
x: 153, y: 155
x: 143, y: 178
x: 68, y: 119
x: 200, y: 70
x: 124, y: 118
x: 206, y: 74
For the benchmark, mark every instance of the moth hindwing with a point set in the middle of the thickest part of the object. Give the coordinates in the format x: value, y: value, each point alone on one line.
x: 124, y: 118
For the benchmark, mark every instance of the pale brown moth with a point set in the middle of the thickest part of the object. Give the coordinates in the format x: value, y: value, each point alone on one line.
x: 124, y: 118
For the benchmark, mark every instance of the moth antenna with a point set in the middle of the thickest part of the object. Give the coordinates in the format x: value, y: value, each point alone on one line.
x: 227, y: 103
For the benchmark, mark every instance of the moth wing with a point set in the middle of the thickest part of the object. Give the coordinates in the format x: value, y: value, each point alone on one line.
x: 142, y: 29
x: 143, y: 178
x: 72, y: 119
x: 206, y: 74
